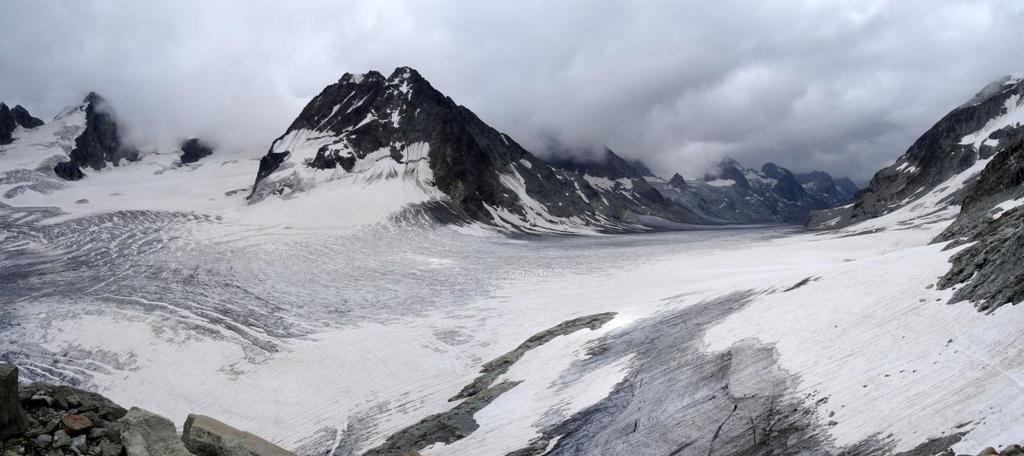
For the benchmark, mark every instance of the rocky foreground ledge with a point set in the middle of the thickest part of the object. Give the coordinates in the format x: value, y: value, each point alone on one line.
x: 54, y: 420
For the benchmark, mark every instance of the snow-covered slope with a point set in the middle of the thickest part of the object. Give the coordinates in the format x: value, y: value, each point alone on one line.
x: 974, y: 131
x: 400, y: 136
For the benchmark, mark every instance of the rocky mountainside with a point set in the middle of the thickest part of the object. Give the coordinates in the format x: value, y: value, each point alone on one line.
x: 732, y: 193
x: 990, y: 272
x: 399, y: 134
x: 976, y: 130
x: 620, y: 182
x: 11, y: 119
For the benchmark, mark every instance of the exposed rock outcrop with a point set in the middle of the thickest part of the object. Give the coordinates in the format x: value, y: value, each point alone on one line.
x: 23, y: 118
x: 68, y: 171
x: 194, y: 149
x: 144, y: 433
x: 205, y: 436
x: 99, y: 143
x: 990, y: 272
x: 12, y: 417
x: 11, y: 119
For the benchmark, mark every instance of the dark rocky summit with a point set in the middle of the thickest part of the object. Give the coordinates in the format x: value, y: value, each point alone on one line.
x: 23, y: 118
x: 937, y: 155
x: 677, y: 181
x: 68, y: 171
x: 53, y: 420
x: 97, y: 145
x: 194, y: 149
x: 359, y: 121
x: 10, y: 119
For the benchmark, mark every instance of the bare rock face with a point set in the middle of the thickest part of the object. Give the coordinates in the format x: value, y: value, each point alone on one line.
x: 194, y: 149
x: 145, y: 433
x: 10, y: 119
x: 205, y: 436
x: 68, y: 171
x: 990, y: 272
x: 99, y: 144
x: 12, y: 417
x: 23, y: 118
x: 7, y: 124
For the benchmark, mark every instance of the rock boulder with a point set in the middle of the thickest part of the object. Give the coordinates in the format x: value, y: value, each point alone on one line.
x: 145, y: 433
x: 12, y: 417
x: 205, y: 436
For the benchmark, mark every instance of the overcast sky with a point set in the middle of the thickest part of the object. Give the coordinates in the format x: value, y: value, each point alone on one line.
x: 844, y: 86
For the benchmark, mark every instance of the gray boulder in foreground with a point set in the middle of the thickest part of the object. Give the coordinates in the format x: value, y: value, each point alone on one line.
x: 205, y: 436
x: 147, y: 434
x: 12, y: 417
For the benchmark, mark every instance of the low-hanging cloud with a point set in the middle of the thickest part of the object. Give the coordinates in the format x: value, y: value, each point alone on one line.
x: 843, y: 85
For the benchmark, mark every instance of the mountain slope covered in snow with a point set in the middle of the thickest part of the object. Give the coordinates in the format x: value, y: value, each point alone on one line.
x: 399, y: 134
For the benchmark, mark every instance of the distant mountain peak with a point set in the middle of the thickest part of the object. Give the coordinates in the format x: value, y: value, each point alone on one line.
x: 99, y: 144
x: 677, y: 181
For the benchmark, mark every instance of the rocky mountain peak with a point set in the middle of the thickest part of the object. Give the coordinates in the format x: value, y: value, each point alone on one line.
x: 677, y: 181
x: 10, y: 119
x: 728, y: 169
x: 785, y: 183
x: 98, y: 144
x: 367, y: 128
x: 23, y: 118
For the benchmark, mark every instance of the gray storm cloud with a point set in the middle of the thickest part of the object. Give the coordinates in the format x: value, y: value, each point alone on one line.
x: 841, y: 85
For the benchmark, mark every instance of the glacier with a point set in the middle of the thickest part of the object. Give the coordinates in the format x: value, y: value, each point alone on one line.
x: 328, y: 329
